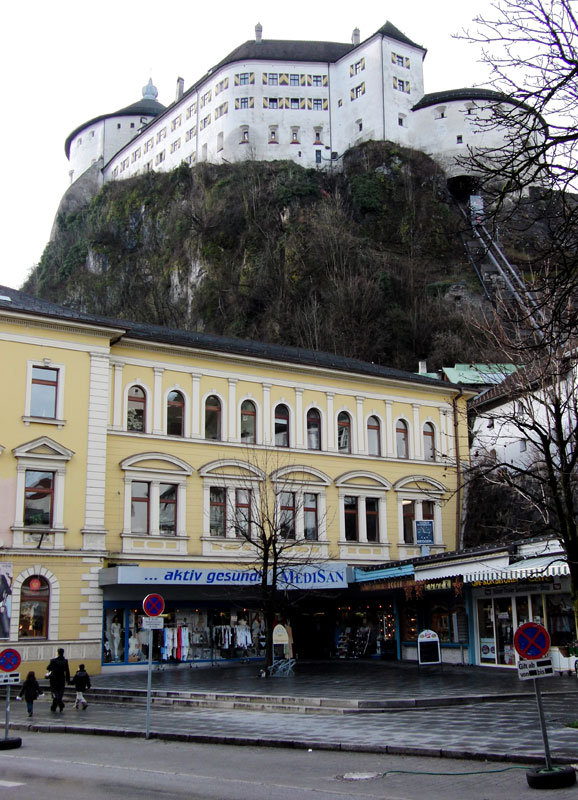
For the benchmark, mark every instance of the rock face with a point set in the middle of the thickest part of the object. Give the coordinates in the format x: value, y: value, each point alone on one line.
x: 364, y: 263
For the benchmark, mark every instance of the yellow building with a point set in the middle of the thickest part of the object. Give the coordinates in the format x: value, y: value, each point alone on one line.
x: 137, y: 459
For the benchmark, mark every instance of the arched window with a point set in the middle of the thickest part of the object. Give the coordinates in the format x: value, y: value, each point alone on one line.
x: 34, y: 608
x: 175, y: 414
x: 344, y: 433
x: 282, y: 426
x: 136, y: 410
x: 212, y: 417
x: 248, y: 422
x: 429, y: 450
x: 373, y: 437
x: 402, y: 439
x: 313, y: 429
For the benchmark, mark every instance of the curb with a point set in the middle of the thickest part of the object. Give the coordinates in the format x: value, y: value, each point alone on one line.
x: 312, y: 744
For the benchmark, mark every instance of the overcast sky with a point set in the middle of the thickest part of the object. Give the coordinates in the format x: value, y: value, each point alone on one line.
x: 65, y: 62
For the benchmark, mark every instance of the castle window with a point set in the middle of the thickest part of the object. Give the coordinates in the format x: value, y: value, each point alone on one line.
x: 459, y: 139
x: 220, y: 141
x: 244, y: 102
x: 401, y: 120
x: 316, y: 80
x: 175, y: 145
x: 244, y: 135
x: 318, y: 156
x: 294, y: 135
x: 273, y: 102
x: 273, y: 79
x: 160, y: 157
x: 293, y: 80
x: 317, y: 104
x: 176, y: 123
x: 136, y: 154
x: 318, y: 136
x: 273, y: 136
x: 295, y: 102
x: 118, y: 125
x: 357, y: 67
x: 161, y: 134
x: 400, y: 85
x: 149, y: 144
x: 243, y: 79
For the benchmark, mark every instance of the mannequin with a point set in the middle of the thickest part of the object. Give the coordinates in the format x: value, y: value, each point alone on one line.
x: 115, y: 630
x: 134, y: 651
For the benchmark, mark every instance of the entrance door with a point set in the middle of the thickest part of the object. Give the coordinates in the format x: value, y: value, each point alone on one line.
x: 504, y: 631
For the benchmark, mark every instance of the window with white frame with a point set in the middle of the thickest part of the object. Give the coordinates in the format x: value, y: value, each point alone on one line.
x: 301, y: 503
x: 175, y: 414
x: 344, y: 432
x: 402, y: 439
x: 34, y: 608
x: 213, y: 417
x: 218, y: 511
x: 231, y: 499
x: 286, y: 515
x: 155, y: 495
x: 361, y: 514
x: 429, y: 443
x: 44, y: 392
x: 373, y: 436
x: 313, y: 429
x: 419, y: 499
x: 282, y: 438
x: 248, y: 422
x: 363, y: 507
x: 136, y: 410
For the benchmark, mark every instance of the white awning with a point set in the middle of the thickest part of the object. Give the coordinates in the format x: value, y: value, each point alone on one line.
x: 467, y: 568
x: 497, y: 568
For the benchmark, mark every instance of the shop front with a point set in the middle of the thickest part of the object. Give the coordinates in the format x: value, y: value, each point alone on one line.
x: 210, y: 615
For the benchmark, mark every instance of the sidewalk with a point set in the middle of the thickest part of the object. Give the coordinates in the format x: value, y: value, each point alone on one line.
x: 501, y: 722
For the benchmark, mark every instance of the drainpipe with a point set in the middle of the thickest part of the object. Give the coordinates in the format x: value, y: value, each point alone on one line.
x: 455, y: 399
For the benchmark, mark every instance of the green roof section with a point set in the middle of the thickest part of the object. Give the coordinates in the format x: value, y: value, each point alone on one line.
x: 478, y: 374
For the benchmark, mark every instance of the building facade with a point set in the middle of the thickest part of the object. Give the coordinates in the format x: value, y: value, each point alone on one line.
x: 137, y: 457
x: 306, y: 101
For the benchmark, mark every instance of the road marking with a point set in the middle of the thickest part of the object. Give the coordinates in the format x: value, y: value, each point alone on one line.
x: 10, y: 784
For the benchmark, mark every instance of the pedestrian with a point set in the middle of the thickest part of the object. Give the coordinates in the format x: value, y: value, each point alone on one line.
x: 58, y: 673
x: 30, y: 691
x: 81, y: 683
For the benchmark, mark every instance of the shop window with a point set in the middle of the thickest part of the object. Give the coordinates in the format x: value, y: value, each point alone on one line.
x: 429, y: 450
x: 409, y: 622
x: 248, y: 422
x: 560, y: 619
x: 213, y: 418
x: 114, y: 636
x: 286, y: 515
x: 218, y: 512
x: 168, y: 509
x: 136, y: 410
x: 402, y: 439
x: 44, y: 392
x: 38, y: 498
x: 243, y: 498
x: 350, y: 511
x: 34, y: 608
x: 373, y: 436
x: 313, y: 429
x: 344, y: 432
x: 310, y: 519
x: 372, y: 518
x: 282, y: 426
x: 175, y: 414
x: 408, y: 520
x: 139, y: 513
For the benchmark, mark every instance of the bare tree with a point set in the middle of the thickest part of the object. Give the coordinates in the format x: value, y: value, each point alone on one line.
x: 275, y: 514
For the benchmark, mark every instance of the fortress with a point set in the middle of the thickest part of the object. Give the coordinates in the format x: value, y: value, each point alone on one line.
x: 273, y: 99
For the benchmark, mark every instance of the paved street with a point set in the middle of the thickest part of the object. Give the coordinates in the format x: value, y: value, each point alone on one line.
x: 498, y: 728
x: 93, y: 767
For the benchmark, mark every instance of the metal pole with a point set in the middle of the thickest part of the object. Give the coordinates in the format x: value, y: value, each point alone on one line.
x: 543, y: 725
x: 7, y: 725
x: 149, y: 679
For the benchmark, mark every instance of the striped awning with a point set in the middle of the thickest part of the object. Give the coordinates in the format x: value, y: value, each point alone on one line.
x: 403, y: 571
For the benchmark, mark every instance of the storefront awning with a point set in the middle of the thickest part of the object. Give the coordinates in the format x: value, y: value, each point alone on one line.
x: 469, y: 569
x: 551, y: 565
x: 361, y: 576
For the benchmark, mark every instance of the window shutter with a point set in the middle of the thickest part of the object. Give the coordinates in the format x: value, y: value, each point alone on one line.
x: 283, y: 79
x: 309, y: 103
x: 395, y: 82
x: 265, y: 78
x: 301, y: 102
x: 251, y: 102
x: 265, y: 102
x: 406, y: 62
x: 194, y: 129
x: 237, y: 103
x: 252, y: 78
x: 237, y: 80
x: 326, y: 105
x: 325, y: 80
x: 363, y: 88
x: 352, y: 94
x: 407, y: 89
x: 393, y: 58
x: 225, y: 107
x: 351, y: 71
x: 226, y: 83
x: 309, y: 80
x: 302, y: 80
x: 362, y: 63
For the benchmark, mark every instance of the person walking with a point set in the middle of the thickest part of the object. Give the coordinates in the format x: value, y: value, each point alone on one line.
x: 81, y: 683
x: 58, y: 673
x: 30, y: 691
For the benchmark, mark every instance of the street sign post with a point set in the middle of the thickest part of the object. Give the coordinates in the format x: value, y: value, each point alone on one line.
x: 153, y: 606
x: 9, y: 678
x: 9, y: 661
x: 532, y: 641
x: 540, y: 668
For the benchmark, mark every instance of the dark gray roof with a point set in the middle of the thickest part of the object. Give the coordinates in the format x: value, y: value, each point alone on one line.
x: 286, y: 50
x: 392, y: 32
x: 434, y: 98
x: 145, y: 107
x: 27, y: 304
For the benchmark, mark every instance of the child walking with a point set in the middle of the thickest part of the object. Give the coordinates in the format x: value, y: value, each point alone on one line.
x: 81, y: 683
x: 30, y: 691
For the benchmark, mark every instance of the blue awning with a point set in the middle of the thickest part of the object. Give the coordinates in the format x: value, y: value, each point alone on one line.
x: 403, y: 571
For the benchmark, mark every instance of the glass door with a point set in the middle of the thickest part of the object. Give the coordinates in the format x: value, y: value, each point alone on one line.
x: 504, y: 631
